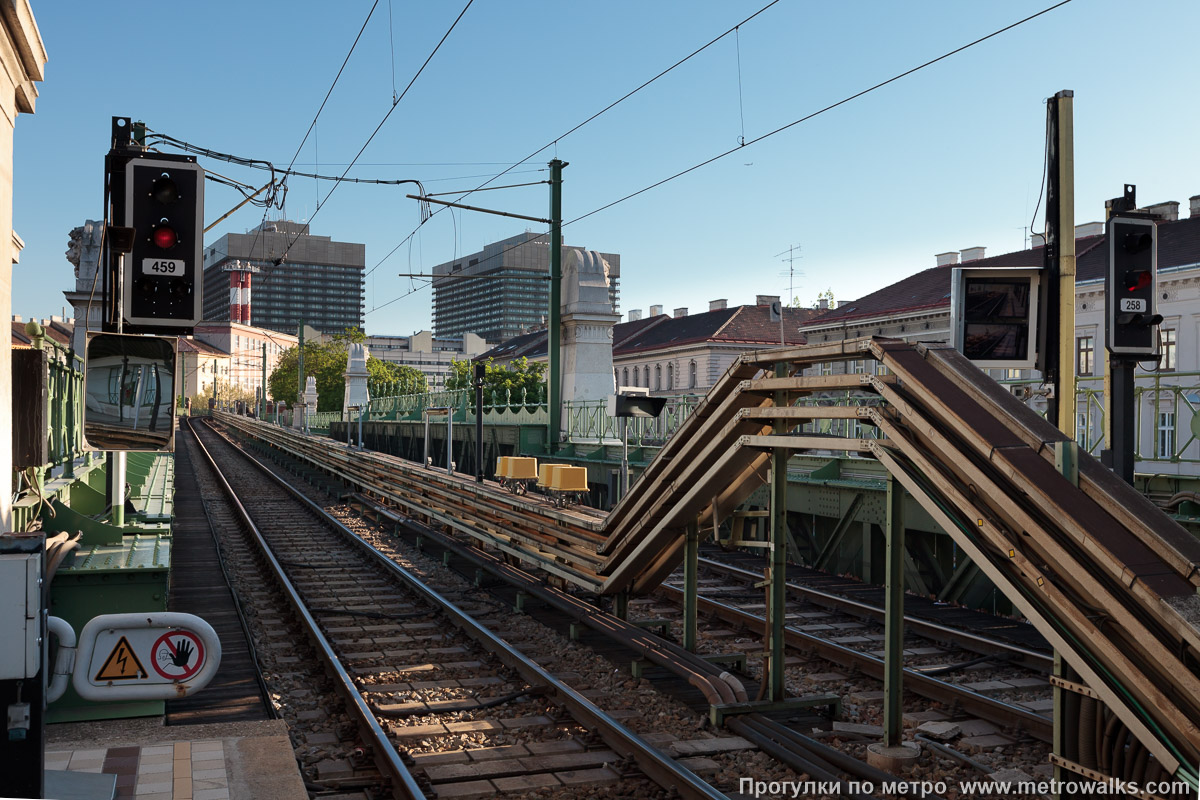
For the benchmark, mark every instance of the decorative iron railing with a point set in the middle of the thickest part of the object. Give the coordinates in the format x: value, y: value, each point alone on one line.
x: 1166, y: 418
x: 588, y: 422
x: 511, y: 408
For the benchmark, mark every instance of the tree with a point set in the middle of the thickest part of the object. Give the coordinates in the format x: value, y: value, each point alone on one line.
x: 521, y: 380
x: 326, y: 361
x: 825, y: 295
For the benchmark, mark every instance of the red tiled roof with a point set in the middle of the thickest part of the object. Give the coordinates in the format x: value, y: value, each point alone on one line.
x: 1178, y: 245
x: 197, y: 346
x: 740, y: 324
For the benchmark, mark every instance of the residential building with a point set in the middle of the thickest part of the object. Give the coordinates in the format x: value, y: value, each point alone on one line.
x: 428, y: 354
x: 299, y: 277
x: 917, y: 308
x: 503, y: 290
x: 201, y: 367
x: 680, y: 353
x: 24, y: 59
x: 244, y: 348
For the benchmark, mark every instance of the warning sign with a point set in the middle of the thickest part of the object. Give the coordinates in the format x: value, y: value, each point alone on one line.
x: 177, y: 655
x: 122, y: 664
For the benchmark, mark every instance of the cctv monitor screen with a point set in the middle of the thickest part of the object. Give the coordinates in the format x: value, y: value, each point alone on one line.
x: 996, y: 319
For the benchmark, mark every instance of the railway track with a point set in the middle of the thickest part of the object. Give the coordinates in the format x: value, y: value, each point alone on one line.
x: 994, y: 722
x: 433, y: 700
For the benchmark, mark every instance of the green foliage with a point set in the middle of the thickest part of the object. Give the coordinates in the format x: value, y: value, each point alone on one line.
x: 825, y: 295
x: 503, y: 384
x: 327, y: 362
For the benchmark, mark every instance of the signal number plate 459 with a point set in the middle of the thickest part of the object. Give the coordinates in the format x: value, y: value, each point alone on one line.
x: 162, y: 266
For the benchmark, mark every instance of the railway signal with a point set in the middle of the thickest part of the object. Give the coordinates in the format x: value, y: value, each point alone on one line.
x: 1130, y: 288
x: 164, y: 204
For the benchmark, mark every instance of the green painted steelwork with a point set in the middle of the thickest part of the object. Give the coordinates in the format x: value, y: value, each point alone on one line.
x: 893, y: 624
x: 691, y: 580
x: 777, y: 599
x: 130, y: 575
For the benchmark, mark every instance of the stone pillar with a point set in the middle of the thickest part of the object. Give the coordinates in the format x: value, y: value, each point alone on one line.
x: 24, y: 57
x: 356, y: 393
x: 587, y: 329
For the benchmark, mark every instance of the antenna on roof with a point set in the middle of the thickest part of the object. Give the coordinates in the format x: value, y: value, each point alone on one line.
x: 792, y: 257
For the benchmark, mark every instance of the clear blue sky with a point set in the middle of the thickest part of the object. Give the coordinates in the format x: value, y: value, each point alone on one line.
x: 947, y: 158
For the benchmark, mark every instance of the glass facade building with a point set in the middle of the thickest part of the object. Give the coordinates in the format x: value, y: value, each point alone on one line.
x: 321, y: 283
x: 503, y: 290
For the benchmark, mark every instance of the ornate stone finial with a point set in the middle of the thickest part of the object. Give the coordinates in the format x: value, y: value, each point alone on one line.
x: 83, y: 251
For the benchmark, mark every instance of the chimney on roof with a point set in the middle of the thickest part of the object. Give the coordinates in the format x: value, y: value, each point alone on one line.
x: 1194, y: 205
x: 723, y: 303
x: 655, y: 311
x: 947, y: 259
x: 17, y: 318
x: 680, y: 312
x: 1168, y: 211
x: 1037, y: 240
x: 973, y: 253
x: 823, y: 304
x: 766, y: 299
x: 1089, y: 229
x: 635, y: 314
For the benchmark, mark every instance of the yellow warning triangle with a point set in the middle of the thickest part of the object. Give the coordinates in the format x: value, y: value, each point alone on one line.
x: 122, y: 664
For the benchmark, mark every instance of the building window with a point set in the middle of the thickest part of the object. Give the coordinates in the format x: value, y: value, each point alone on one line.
x: 1085, y: 355
x: 635, y: 377
x: 1082, y: 430
x: 1166, y: 348
x: 1165, y: 441
x: 692, y: 375
x: 670, y: 377
x: 625, y: 377
x: 858, y: 367
x: 826, y: 368
x: 658, y: 377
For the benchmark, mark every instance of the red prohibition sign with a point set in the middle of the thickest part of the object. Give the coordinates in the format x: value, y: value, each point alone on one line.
x: 182, y: 652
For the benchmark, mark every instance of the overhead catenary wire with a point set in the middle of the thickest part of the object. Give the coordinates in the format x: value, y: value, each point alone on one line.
x: 757, y: 139
x: 554, y: 142
x: 395, y: 103
x: 821, y: 111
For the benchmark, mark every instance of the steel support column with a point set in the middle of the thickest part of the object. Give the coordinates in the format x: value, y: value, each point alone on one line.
x: 777, y: 607
x: 893, y: 624
x: 691, y: 577
x: 1066, y: 460
x: 554, y: 337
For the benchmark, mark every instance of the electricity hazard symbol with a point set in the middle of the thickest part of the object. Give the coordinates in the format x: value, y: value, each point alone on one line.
x: 177, y: 655
x: 122, y: 664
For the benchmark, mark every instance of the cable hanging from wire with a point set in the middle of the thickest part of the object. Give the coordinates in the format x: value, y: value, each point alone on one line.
x: 395, y: 103
x: 553, y: 142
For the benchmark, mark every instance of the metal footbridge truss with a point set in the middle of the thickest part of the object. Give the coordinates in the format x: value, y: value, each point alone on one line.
x: 1103, y: 574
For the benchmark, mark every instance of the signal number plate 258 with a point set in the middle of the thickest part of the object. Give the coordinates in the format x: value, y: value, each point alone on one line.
x: 162, y: 266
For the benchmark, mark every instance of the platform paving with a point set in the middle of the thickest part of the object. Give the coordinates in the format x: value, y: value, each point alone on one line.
x: 151, y: 761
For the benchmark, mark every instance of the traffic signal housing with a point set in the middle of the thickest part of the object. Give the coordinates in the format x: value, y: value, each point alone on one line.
x: 164, y: 204
x: 1131, y: 285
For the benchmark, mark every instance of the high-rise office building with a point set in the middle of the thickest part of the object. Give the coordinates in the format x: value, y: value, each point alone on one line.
x: 320, y: 282
x: 502, y: 290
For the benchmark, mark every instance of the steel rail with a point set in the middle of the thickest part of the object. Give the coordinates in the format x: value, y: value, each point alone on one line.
x: 916, y: 682
x: 391, y: 764
x: 656, y: 764
x: 1040, y: 661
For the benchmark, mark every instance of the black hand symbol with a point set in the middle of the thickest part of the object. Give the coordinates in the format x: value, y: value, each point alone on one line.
x: 182, y: 654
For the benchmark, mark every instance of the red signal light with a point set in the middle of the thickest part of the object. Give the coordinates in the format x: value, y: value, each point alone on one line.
x: 165, y: 237
x: 1137, y: 279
